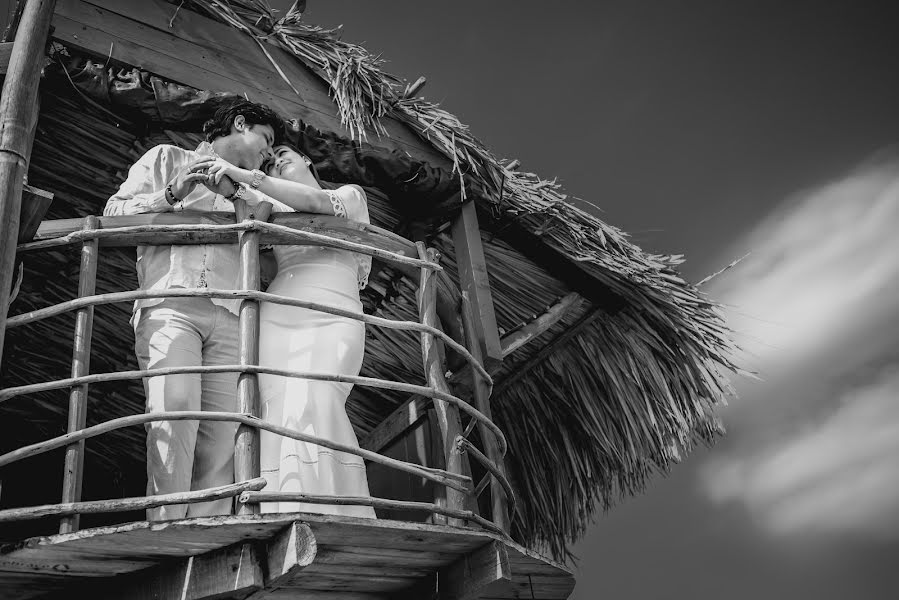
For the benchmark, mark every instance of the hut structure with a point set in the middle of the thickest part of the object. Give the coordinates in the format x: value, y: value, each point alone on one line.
x: 568, y: 365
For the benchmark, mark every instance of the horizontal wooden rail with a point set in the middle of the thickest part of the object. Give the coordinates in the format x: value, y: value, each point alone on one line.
x: 126, y: 504
x: 114, y: 297
x: 149, y: 235
x: 12, y: 392
x: 432, y: 474
x: 263, y: 496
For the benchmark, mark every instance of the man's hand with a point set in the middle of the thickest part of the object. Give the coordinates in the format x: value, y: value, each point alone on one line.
x: 190, y: 176
x: 221, y: 177
x: 225, y: 186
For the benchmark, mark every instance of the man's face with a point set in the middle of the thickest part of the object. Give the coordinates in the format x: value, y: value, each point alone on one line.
x: 254, y: 144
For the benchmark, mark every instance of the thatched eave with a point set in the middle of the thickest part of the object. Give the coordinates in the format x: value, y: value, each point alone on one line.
x: 611, y: 393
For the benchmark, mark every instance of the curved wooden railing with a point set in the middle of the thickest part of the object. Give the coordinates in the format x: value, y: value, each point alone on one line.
x: 248, y: 233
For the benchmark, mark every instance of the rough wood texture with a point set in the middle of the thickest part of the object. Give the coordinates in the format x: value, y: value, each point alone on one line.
x: 246, y: 444
x: 576, y: 328
x: 474, y: 280
x: 81, y: 365
x: 405, y: 417
x: 208, y: 55
x: 287, y: 228
x: 383, y: 503
x: 483, y: 573
x: 541, y: 324
x: 562, y: 267
x: 354, y: 558
x: 499, y: 509
x: 129, y: 504
x: 231, y: 572
x: 288, y: 553
x: 35, y: 203
x: 16, y: 134
x: 443, y: 477
x: 447, y: 415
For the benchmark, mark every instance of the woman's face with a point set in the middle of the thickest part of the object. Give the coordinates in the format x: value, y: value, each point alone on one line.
x: 287, y: 164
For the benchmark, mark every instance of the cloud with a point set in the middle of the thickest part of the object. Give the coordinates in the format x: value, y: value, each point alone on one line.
x: 838, y: 476
x: 815, y: 264
x: 815, y: 305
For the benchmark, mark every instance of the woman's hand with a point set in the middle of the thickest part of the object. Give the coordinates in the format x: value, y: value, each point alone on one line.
x: 221, y: 169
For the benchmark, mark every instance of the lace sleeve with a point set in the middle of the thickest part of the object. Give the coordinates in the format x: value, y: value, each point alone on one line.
x: 337, y: 203
x: 349, y: 202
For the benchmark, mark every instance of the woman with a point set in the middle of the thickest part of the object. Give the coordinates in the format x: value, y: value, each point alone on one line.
x: 306, y: 340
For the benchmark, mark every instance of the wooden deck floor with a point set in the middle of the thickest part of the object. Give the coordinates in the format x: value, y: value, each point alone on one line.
x: 345, y: 559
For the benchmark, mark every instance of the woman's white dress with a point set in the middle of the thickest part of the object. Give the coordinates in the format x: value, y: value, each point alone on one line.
x: 306, y: 340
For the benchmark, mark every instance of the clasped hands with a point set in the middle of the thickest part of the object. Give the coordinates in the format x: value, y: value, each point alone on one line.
x: 210, y: 171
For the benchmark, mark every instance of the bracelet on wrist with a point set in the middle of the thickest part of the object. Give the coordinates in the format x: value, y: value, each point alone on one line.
x: 170, y: 196
x: 237, y: 194
x: 257, y: 178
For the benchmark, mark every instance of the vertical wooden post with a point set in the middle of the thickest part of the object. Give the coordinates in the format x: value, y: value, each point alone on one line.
x: 473, y: 280
x: 16, y: 106
x: 246, y: 447
x: 481, y: 392
x: 447, y: 414
x: 81, y: 361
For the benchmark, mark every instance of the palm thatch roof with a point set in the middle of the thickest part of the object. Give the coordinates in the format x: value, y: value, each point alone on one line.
x: 604, y: 399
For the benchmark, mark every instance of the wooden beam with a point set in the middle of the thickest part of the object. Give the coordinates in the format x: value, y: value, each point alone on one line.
x: 474, y: 280
x: 518, y: 338
x: 234, y: 571
x: 525, y: 367
x: 209, y: 55
x: 35, y: 203
x: 499, y: 503
x: 560, y: 265
x: 291, y: 551
x: 481, y: 574
x: 17, y: 102
x: 408, y: 415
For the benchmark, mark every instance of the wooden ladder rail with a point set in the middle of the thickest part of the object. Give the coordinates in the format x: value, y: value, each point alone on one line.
x: 73, y: 472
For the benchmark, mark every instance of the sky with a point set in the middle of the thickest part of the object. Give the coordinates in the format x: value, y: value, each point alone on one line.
x: 717, y: 129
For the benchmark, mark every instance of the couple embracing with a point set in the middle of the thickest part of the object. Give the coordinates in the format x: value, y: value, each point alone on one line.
x: 243, y: 157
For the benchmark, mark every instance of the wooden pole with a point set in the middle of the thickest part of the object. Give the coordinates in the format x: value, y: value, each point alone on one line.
x: 16, y: 109
x: 481, y: 392
x: 81, y: 361
x: 246, y: 447
x: 473, y: 279
x: 447, y: 414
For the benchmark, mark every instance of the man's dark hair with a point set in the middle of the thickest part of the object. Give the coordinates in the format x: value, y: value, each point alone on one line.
x: 254, y: 114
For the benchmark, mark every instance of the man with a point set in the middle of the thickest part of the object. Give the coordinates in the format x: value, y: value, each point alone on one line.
x: 178, y: 332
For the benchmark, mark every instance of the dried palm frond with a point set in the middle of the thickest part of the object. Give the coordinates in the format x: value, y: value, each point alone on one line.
x: 592, y: 408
